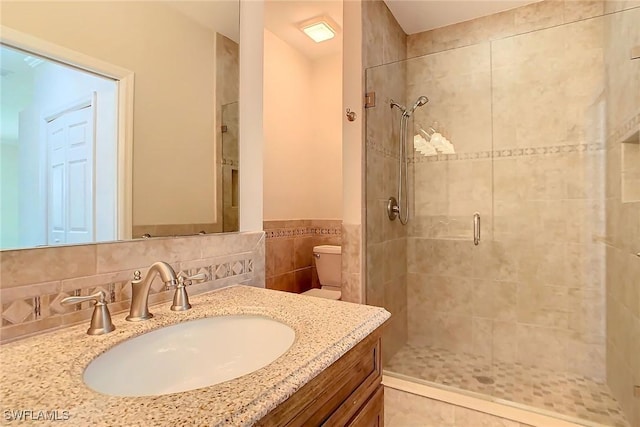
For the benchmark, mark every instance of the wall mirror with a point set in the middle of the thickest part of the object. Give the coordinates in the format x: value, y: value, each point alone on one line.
x: 61, y: 147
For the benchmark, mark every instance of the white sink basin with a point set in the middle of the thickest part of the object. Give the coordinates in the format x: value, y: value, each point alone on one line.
x: 189, y: 355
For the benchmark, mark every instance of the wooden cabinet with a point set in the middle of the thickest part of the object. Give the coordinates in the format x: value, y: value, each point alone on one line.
x: 347, y: 393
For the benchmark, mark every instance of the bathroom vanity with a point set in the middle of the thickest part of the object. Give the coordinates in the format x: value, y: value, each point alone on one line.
x: 347, y: 393
x: 330, y: 375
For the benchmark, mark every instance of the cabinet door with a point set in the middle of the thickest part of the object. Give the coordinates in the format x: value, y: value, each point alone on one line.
x: 372, y: 413
x: 336, y: 395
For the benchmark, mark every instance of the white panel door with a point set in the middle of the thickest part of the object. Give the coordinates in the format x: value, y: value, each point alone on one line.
x: 57, y: 182
x: 70, y: 138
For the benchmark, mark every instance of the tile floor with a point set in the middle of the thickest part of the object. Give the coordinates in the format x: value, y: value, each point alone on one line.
x: 564, y: 393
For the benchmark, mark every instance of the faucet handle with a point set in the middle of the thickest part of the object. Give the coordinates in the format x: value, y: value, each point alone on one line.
x: 188, y: 280
x: 181, y: 298
x: 101, y: 318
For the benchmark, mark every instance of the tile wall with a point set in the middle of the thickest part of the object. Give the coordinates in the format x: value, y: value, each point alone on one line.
x: 289, y: 251
x: 386, y: 241
x: 622, y: 34
x: 227, y: 95
x: 34, y: 281
x: 352, y: 289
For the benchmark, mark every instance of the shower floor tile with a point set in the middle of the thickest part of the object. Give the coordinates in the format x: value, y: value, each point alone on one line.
x: 564, y: 393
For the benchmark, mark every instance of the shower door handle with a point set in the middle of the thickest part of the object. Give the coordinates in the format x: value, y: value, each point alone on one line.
x: 476, y: 229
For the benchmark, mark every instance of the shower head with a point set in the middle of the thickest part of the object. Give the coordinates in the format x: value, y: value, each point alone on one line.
x: 419, y: 103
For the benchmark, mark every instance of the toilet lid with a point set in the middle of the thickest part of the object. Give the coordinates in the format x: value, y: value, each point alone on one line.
x: 323, y: 293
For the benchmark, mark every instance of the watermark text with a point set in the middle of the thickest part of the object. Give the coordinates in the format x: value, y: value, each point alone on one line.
x: 36, y: 415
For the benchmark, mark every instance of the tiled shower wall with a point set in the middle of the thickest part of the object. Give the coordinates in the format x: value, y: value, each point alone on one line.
x: 520, y: 95
x: 622, y: 34
x: 227, y: 95
x: 386, y: 242
x: 34, y: 281
x: 289, y: 251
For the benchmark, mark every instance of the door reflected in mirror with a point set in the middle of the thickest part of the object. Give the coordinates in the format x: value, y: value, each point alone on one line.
x: 184, y: 56
x: 57, y: 122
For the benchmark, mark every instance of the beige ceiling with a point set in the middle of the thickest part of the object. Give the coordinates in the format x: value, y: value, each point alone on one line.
x: 282, y: 16
x: 415, y: 16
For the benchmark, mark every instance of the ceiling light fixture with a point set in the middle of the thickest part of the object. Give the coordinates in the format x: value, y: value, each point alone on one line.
x: 319, y: 29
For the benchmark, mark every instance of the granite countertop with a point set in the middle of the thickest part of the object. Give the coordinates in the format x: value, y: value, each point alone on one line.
x: 44, y: 372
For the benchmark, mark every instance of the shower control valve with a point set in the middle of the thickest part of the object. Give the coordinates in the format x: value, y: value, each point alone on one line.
x: 392, y: 208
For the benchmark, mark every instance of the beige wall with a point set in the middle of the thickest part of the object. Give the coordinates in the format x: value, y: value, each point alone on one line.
x: 251, y: 132
x: 622, y: 33
x: 173, y: 61
x: 352, y: 132
x: 303, y: 141
x: 352, y: 154
x: 326, y: 150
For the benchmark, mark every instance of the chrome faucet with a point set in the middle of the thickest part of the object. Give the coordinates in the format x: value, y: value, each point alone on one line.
x: 140, y: 289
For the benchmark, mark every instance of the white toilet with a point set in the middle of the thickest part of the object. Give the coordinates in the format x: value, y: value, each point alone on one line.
x: 329, y: 267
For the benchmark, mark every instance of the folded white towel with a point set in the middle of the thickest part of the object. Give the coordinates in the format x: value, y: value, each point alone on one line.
x: 423, y: 146
x: 435, y: 140
x: 447, y: 147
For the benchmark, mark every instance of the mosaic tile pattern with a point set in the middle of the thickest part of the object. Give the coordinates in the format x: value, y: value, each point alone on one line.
x: 564, y: 393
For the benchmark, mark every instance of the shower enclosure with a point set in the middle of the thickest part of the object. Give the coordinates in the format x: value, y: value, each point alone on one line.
x: 230, y: 167
x: 545, y: 129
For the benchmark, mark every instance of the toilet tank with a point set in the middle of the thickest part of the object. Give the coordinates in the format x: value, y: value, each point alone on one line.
x: 328, y: 264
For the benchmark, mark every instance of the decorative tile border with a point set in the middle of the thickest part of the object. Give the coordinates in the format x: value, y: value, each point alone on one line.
x: 509, y: 152
x: 26, y: 311
x: 379, y: 149
x: 513, y: 152
x: 231, y: 162
x: 291, y: 232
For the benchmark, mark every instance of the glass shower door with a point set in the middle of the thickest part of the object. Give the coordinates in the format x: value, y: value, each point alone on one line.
x: 424, y: 272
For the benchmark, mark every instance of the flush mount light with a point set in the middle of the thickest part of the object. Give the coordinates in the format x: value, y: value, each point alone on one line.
x: 319, y: 29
